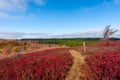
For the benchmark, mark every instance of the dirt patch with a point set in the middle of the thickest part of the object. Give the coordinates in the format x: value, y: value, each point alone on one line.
x: 79, y: 60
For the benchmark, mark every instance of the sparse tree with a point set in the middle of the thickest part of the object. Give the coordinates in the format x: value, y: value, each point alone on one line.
x: 108, y: 32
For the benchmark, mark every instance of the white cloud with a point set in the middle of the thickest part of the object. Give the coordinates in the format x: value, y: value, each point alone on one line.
x: 13, y: 5
x: 20, y: 35
x: 11, y: 35
x: 83, y: 34
x: 10, y: 7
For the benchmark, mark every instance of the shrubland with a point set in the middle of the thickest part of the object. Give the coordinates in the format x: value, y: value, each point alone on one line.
x: 45, y: 65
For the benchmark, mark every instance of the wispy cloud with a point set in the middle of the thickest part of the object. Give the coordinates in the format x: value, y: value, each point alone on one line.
x: 104, y: 3
x: 86, y: 9
x: 12, y: 5
x: 20, y: 35
x: 110, y: 2
x: 6, y: 16
x: 3, y: 15
x: 39, y: 2
x: 117, y: 1
x: 11, y: 35
x: 16, y: 7
x: 107, y: 3
x: 83, y: 34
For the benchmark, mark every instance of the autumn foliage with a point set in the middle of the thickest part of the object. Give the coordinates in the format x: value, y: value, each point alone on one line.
x: 105, y: 66
x: 45, y: 65
x: 105, y: 44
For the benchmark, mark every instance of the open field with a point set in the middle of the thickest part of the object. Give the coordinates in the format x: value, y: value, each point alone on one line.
x: 49, y: 61
x: 46, y: 65
x: 68, y: 42
x: 59, y: 39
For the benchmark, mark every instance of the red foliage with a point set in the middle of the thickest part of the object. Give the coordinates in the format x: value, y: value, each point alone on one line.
x: 46, y: 65
x: 105, y: 44
x: 105, y: 66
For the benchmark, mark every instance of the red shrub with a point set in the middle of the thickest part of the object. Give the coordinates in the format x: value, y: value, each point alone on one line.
x: 105, y: 44
x: 46, y: 65
x: 105, y: 66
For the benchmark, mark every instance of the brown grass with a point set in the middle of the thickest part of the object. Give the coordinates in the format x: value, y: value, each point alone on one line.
x: 2, y: 56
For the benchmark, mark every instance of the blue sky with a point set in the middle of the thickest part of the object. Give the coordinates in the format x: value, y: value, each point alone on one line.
x: 58, y: 16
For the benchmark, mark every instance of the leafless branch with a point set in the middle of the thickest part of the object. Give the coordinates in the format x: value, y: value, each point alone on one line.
x: 108, y: 32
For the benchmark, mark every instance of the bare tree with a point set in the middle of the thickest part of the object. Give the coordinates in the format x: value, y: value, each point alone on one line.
x: 108, y: 32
